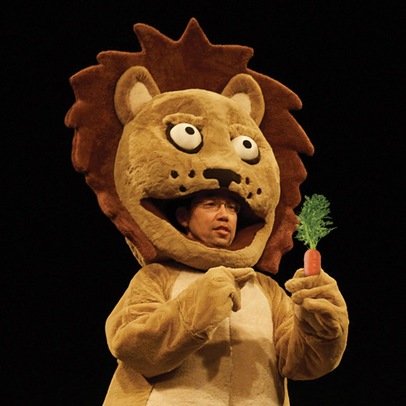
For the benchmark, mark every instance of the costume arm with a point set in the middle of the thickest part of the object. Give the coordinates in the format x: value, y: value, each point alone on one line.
x: 153, y: 333
x: 311, y: 328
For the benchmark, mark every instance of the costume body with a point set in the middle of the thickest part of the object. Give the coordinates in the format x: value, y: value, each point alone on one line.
x: 197, y: 324
x: 168, y: 357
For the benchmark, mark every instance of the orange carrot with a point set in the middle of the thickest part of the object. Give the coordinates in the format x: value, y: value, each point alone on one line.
x: 314, y: 223
x: 312, y: 262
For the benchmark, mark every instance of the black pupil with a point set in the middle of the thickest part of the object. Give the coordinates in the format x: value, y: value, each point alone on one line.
x: 247, y: 144
x: 190, y: 130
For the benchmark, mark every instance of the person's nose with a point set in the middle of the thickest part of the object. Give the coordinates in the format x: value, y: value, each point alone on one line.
x: 223, y: 212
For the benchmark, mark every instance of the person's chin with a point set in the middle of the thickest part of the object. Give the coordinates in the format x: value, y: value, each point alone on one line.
x: 219, y: 243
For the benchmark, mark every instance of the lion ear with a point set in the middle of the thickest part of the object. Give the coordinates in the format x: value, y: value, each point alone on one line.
x: 134, y: 88
x: 244, y: 90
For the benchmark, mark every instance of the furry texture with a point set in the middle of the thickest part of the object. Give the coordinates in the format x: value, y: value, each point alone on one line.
x: 148, y: 136
x: 240, y: 359
x: 182, y: 164
x: 190, y: 63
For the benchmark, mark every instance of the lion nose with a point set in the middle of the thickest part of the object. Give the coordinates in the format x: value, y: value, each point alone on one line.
x: 223, y: 176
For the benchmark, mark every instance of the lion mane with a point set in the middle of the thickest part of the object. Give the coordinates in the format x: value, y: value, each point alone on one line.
x: 190, y: 62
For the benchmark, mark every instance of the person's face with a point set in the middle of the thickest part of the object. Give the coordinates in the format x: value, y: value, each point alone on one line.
x: 210, y: 220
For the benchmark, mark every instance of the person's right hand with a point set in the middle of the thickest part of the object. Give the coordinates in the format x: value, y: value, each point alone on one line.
x: 209, y: 300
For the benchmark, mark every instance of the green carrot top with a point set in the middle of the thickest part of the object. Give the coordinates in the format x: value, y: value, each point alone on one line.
x: 314, y: 220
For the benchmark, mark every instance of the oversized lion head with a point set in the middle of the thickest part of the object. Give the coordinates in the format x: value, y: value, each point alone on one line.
x: 152, y: 128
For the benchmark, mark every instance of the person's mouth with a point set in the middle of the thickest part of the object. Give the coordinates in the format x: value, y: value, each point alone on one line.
x: 222, y: 230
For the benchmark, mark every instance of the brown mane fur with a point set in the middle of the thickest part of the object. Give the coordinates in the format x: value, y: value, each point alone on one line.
x: 190, y: 62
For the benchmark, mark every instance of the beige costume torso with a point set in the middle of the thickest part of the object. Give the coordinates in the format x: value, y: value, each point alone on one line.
x: 237, y: 367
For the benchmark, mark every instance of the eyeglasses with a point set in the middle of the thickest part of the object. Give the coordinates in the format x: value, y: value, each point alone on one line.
x: 214, y: 205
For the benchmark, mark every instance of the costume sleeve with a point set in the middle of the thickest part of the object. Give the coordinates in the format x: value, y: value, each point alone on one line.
x: 154, y: 333
x: 145, y: 329
x: 311, y: 327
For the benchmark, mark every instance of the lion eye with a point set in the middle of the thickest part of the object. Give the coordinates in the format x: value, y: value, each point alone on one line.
x: 186, y: 137
x: 246, y: 148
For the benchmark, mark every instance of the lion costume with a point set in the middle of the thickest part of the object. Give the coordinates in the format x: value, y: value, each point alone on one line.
x: 197, y: 324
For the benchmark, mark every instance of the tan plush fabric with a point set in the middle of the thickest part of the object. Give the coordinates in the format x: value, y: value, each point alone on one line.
x: 198, y: 325
x: 313, y: 343
x: 172, y: 343
x: 191, y: 62
x: 173, y: 174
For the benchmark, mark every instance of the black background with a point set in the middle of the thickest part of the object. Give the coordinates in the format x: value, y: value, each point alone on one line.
x: 66, y: 265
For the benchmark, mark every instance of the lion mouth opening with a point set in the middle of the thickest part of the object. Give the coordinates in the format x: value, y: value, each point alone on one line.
x: 247, y: 226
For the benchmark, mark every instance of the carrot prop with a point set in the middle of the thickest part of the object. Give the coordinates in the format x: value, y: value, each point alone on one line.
x: 314, y: 224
